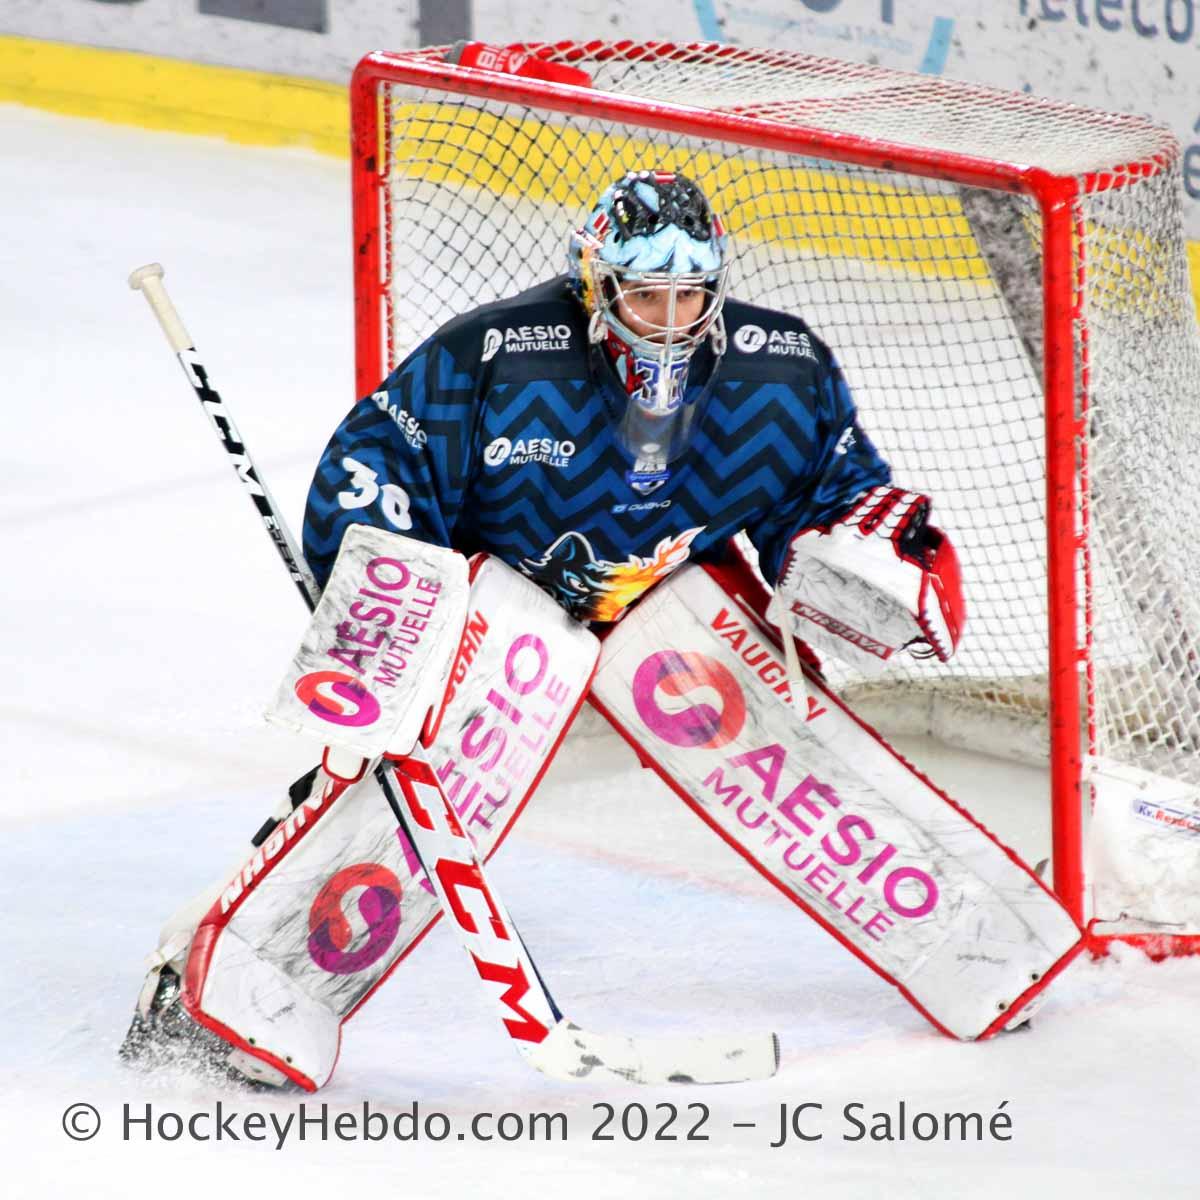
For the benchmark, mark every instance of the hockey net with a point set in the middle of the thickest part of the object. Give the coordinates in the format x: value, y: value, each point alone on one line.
x: 1004, y: 280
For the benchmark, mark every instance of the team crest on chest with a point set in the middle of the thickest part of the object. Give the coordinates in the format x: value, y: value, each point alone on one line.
x: 594, y: 589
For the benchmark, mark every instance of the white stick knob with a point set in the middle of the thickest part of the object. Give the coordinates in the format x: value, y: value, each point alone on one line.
x: 148, y: 281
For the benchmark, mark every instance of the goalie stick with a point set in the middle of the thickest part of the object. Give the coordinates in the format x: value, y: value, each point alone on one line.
x: 549, y: 1041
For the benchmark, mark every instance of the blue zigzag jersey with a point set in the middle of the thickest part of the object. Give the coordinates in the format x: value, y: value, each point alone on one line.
x: 498, y: 434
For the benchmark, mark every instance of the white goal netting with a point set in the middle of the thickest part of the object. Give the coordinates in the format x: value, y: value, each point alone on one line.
x: 855, y: 197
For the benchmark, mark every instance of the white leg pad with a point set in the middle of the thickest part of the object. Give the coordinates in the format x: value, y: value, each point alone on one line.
x: 827, y: 811
x: 317, y: 918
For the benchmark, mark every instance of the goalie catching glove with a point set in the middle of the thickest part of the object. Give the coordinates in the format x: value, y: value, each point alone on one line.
x: 877, y: 580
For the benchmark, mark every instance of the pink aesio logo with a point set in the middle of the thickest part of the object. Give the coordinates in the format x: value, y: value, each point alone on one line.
x: 337, y: 697
x: 699, y: 726
x: 330, y: 934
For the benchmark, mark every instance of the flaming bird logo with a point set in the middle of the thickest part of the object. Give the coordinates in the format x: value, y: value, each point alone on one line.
x: 592, y: 589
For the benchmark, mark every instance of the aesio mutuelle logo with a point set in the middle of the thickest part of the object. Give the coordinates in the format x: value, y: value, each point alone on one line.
x: 750, y: 339
x: 551, y: 451
x: 674, y: 674
x: 337, y: 697
x: 492, y: 341
x: 331, y: 936
x: 525, y: 339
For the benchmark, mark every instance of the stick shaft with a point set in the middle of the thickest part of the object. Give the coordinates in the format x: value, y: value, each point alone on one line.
x: 148, y: 280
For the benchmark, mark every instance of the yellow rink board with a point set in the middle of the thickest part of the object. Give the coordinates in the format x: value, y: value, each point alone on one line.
x: 826, y: 214
x: 252, y: 107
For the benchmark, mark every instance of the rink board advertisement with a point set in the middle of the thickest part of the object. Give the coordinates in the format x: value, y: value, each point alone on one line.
x: 1143, y: 850
x: 1137, y: 56
x: 827, y: 811
x: 336, y: 897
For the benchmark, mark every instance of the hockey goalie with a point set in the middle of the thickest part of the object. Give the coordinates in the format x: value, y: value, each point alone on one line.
x: 585, y: 452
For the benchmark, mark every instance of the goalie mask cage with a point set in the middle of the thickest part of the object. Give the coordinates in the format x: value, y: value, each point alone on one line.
x: 1004, y: 280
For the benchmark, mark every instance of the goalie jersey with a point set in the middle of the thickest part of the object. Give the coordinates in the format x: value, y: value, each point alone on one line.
x: 498, y: 434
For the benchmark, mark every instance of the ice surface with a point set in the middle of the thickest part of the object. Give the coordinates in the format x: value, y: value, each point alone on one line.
x: 146, y: 623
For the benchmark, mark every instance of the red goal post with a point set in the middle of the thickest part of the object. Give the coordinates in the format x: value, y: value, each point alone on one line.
x: 1004, y: 280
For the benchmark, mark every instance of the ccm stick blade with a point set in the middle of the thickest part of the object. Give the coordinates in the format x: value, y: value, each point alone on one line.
x: 569, y: 1053
x: 547, y: 1039
x: 559, y: 1048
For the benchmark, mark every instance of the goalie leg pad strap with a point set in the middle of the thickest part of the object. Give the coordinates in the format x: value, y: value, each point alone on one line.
x: 827, y: 811
x: 334, y: 898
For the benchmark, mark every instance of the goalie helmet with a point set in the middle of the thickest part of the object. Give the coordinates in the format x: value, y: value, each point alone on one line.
x: 651, y: 264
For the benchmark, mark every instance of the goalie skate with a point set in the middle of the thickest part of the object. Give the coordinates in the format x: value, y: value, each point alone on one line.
x: 162, y: 1035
